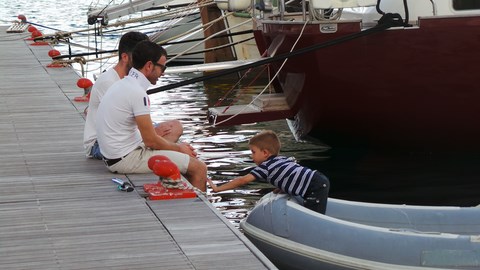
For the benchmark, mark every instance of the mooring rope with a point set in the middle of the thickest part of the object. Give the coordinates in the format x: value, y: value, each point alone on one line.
x: 218, y: 47
x: 64, y: 36
x: 269, y: 83
x: 170, y: 183
x: 122, y: 23
x: 212, y: 36
x: 370, y: 31
x: 179, y: 15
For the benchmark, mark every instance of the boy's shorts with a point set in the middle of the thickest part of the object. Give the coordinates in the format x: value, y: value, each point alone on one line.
x: 316, y: 196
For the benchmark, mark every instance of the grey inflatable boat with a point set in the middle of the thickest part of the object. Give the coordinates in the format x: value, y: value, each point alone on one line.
x: 355, y: 235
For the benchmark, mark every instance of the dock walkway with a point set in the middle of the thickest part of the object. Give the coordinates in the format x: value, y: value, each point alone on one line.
x: 59, y: 210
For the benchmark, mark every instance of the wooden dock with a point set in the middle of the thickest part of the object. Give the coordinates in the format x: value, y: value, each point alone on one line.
x: 59, y: 210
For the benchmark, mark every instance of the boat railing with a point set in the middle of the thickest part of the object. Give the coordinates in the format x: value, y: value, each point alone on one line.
x: 434, y: 7
x: 330, y: 10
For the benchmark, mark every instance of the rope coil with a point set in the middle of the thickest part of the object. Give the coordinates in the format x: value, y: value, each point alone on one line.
x: 170, y: 183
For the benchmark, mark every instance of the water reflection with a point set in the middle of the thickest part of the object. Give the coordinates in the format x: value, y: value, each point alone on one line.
x: 355, y: 174
x: 224, y: 149
x: 406, y: 178
x: 415, y: 178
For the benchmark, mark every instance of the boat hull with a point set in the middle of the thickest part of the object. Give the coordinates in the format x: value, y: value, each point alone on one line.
x: 413, y: 87
x: 293, y: 237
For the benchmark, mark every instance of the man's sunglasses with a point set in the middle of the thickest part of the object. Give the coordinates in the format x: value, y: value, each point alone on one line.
x: 163, y: 67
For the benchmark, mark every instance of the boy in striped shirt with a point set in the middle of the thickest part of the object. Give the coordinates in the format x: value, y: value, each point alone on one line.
x: 282, y: 172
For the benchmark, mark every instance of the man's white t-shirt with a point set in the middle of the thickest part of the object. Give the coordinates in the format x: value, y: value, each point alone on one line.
x: 104, y: 81
x: 117, y: 130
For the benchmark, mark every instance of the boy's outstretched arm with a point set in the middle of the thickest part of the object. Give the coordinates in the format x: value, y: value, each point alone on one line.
x: 237, y: 182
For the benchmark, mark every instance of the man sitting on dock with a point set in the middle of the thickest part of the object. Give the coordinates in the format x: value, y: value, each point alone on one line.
x: 170, y: 130
x: 126, y: 135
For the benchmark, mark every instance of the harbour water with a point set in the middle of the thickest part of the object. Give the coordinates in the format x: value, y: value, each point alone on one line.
x: 412, y: 178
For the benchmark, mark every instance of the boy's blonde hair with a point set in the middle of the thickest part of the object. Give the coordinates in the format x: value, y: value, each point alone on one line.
x: 266, y: 140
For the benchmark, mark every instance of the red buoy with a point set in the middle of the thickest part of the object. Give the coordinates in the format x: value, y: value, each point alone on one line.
x: 56, y: 65
x: 166, y: 169
x: 170, y: 185
x: 84, y: 83
x: 36, y: 33
x: 53, y: 53
x: 31, y: 28
x: 22, y: 18
x: 157, y: 158
x: 85, y: 98
x: 159, y: 192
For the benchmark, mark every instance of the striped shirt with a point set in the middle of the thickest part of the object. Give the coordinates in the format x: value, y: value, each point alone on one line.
x: 284, y: 173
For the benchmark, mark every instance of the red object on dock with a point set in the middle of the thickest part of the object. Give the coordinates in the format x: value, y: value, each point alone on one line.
x: 36, y: 33
x: 22, y: 18
x: 31, y: 29
x: 157, y: 158
x: 166, y: 169
x: 55, y: 65
x: 159, y: 192
x: 53, y: 53
x: 85, y: 98
x: 39, y: 43
x: 174, y: 187
x: 86, y: 84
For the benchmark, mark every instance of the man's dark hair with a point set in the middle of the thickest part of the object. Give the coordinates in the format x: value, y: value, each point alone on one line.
x: 128, y: 42
x: 146, y: 51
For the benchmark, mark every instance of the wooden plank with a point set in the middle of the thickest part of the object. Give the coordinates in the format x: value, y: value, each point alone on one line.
x: 203, y: 239
x: 60, y: 210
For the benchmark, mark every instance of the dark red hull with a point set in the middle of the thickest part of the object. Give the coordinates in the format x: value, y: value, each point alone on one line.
x: 414, y: 88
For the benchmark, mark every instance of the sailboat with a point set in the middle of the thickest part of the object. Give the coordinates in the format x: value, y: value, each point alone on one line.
x: 377, y: 74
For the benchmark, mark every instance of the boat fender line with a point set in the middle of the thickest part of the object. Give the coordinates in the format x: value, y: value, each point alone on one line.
x: 386, y: 24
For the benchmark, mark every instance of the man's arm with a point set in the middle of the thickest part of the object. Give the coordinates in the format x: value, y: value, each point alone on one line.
x: 152, y: 140
x: 237, y: 182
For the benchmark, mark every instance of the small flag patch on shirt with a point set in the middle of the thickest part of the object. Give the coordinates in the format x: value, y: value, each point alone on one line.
x: 146, y: 101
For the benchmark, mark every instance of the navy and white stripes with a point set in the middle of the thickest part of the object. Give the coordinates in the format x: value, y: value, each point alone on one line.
x: 284, y: 173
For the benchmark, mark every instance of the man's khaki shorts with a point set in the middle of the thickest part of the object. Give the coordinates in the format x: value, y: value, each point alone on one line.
x: 137, y: 160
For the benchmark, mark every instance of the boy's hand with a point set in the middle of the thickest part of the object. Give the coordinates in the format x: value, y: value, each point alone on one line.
x: 212, y: 185
x: 277, y: 190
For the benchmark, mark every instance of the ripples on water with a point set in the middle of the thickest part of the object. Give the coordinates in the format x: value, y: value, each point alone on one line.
x: 224, y: 149
x: 414, y: 178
